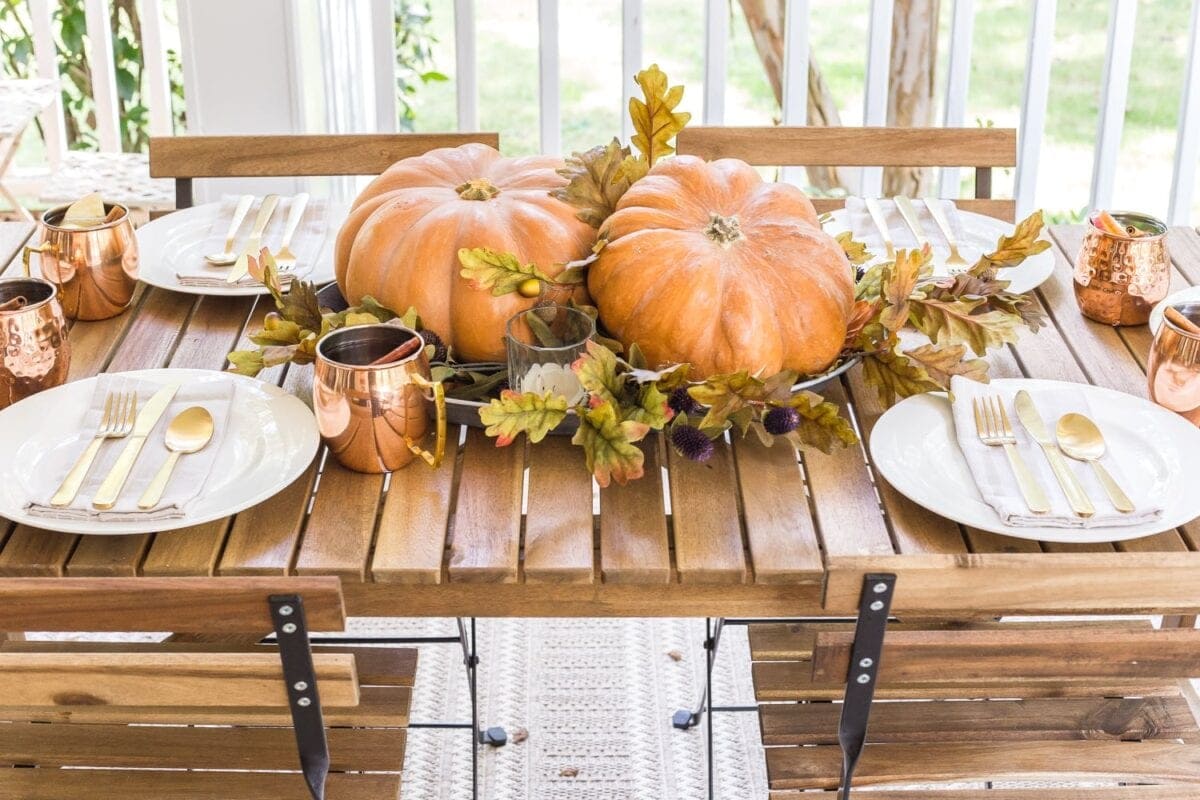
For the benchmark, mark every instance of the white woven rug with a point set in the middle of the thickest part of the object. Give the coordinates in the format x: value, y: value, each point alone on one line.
x: 595, y: 698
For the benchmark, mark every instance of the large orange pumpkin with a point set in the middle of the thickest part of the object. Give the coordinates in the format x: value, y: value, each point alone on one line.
x: 400, y: 243
x: 709, y: 264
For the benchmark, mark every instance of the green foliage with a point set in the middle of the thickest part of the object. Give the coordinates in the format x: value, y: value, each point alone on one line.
x: 414, y: 57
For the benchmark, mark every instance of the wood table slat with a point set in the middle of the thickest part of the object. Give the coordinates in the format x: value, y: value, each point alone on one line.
x: 704, y: 518
x: 634, y: 548
x: 337, y: 539
x: 559, y: 538
x: 13, y: 236
x: 486, y: 539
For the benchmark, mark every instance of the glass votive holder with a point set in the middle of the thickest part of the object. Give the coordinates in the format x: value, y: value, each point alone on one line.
x: 542, y: 344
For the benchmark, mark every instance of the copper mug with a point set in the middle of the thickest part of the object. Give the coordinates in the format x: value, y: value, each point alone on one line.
x: 94, y: 268
x: 1119, y: 279
x: 36, y: 354
x: 373, y: 417
x: 1174, y: 369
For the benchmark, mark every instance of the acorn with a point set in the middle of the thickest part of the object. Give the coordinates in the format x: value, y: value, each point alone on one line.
x: 440, y: 353
x: 691, y: 443
x: 683, y: 403
x: 781, y: 420
x: 530, y: 287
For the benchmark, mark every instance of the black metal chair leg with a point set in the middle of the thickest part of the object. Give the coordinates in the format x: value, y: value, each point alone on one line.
x: 865, y: 653
x: 295, y: 654
x: 686, y: 718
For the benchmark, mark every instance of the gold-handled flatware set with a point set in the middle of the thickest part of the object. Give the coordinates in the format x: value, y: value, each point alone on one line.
x: 912, y: 220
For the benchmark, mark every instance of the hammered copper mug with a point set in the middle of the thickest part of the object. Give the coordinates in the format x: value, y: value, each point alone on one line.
x: 33, y: 333
x: 1119, y: 279
x: 373, y: 417
x: 94, y: 268
x: 1173, y: 373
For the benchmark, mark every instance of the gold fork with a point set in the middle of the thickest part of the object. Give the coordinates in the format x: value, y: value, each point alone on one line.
x: 285, y: 259
x: 939, y: 216
x: 116, y: 422
x: 994, y: 429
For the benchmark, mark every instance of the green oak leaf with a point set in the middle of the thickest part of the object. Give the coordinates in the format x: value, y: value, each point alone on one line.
x: 895, y: 375
x: 821, y: 423
x: 595, y: 181
x: 530, y: 413
x: 651, y: 408
x: 608, y: 444
x: 597, y: 372
x: 963, y: 321
x: 502, y: 273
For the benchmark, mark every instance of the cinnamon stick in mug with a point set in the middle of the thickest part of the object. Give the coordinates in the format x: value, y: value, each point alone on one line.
x: 1180, y: 321
x: 405, y: 350
x: 14, y: 304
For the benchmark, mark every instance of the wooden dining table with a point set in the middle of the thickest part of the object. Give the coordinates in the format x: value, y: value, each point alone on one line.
x: 752, y: 532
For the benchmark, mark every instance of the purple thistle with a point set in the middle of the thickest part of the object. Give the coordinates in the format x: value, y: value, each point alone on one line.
x: 781, y: 420
x: 691, y: 443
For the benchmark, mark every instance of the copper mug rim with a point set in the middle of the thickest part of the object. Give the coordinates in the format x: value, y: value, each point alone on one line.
x: 1195, y: 337
x: 330, y: 337
x: 1157, y: 224
x: 62, y: 210
x: 30, y: 306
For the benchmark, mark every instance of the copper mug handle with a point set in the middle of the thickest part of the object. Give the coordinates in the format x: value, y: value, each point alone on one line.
x: 433, y: 459
x: 28, y: 251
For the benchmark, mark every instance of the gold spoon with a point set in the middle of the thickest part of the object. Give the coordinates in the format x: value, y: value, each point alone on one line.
x: 189, y: 432
x: 1080, y: 439
x: 229, y: 255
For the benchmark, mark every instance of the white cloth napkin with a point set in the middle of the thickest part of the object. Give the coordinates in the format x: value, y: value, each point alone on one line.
x: 864, y: 230
x: 191, y: 473
x: 307, y: 242
x: 994, y: 476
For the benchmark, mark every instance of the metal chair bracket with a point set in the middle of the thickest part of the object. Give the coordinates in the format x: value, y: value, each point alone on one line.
x: 304, y: 702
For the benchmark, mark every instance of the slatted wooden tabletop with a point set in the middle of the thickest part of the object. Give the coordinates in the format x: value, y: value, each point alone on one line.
x: 754, y: 531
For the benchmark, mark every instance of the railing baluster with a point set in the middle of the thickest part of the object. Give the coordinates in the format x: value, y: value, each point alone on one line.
x: 464, y: 65
x: 1187, y: 143
x: 1033, y: 104
x: 104, y: 82
x: 1122, y: 16
x: 154, y: 55
x: 548, y: 77
x: 383, y: 38
x: 631, y: 59
x: 795, y: 74
x: 875, y: 93
x: 53, y: 125
x: 962, y: 28
x: 716, y: 44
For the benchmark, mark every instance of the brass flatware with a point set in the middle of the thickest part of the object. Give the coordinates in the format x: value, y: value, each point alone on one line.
x: 190, y: 432
x: 1081, y: 439
x: 936, y: 211
x: 994, y: 429
x: 147, y: 418
x: 229, y: 255
x: 876, y: 212
x: 1076, y: 496
x: 116, y: 422
x: 241, y: 267
x: 909, y: 213
x: 284, y: 257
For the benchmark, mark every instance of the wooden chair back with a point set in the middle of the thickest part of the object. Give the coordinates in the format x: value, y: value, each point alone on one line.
x: 185, y: 158
x: 980, y: 148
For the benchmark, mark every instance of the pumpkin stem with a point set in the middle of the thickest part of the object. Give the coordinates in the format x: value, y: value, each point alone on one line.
x: 723, y: 230
x: 478, y: 189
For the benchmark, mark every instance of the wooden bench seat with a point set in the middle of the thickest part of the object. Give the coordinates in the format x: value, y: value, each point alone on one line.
x: 1099, y: 705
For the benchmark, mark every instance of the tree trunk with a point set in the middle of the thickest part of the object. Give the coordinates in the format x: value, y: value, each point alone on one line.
x: 765, y: 20
x: 911, y: 86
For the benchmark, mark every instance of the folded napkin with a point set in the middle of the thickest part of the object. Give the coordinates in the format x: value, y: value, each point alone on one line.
x: 994, y: 476
x: 191, y: 473
x: 307, y: 242
x: 864, y: 230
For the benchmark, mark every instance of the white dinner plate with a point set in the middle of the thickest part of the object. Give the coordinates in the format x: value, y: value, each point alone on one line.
x: 1188, y: 295
x: 980, y: 234
x: 273, y: 440
x: 913, y: 446
x: 183, y: 233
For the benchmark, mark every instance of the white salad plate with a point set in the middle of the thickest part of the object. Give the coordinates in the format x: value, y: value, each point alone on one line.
x: 980, y: 234
x: 179, y: 237
x: 271, y: 439
x: 914, y: 447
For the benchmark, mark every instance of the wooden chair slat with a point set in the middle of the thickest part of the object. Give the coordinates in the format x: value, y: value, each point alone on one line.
x: 89, y: 784
x: 633, y: 526
x: 704, y: 514
x: 820, y: 767
x: 1003, y: 653
x: 559, y: 546
x: 487, y: 521
x: 378, y: 707
x: 189, y: 605
x: 779, y: 526
x: 988, y: 720
x: 165, y: 679
x: 853, y: 147
x: 169, y: 747
x: 273, y: 156
x: 411, y: 544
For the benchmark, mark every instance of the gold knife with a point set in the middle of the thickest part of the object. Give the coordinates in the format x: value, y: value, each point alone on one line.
x: 909, y: 212
x: 147, y: 418
x: 1028, y: 414
x: 876, y: 212
x: 241, y: 267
